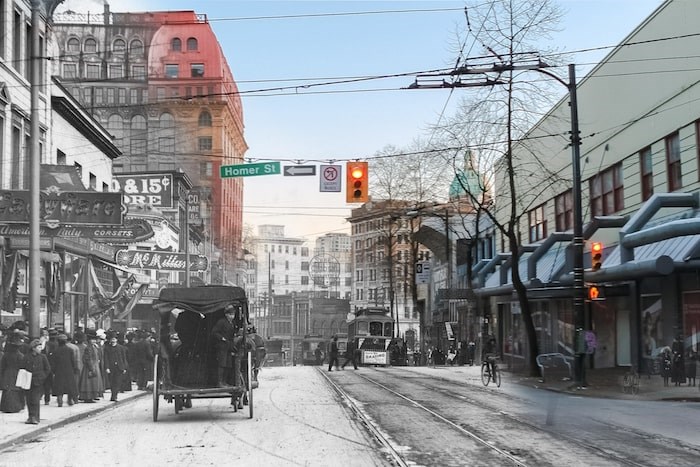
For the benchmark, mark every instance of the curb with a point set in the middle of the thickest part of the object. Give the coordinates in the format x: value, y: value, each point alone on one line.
x: 26, y: 437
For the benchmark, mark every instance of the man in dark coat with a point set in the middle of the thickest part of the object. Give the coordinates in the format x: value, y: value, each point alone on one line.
x: 50, y: 345
x: 115, y: 365
x: 64, y: 364
x: 38, y: 364
x: 142, y: 356
x: 224, y: 333
x: 333, y: 355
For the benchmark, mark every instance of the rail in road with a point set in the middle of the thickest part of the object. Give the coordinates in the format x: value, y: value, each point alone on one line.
x: 427, y: 420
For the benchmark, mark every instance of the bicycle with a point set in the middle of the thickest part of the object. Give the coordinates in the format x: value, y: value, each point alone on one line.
x: 486, y: 376
x: 630, y: 381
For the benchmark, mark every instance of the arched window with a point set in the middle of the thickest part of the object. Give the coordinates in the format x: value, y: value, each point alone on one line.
x: 90, y: 46
x: 136, y: 48
x: 119, y: 46
x: 166, y: 134
x: 166, y: 120
x: 73, y: 45
x: 138, y: 134
x: 205, y: 118
x: 191, y: 43
x: 176, y: 44
x: 115, y: 125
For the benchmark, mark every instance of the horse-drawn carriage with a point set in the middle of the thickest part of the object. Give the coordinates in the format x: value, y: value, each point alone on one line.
x: 211, y: 324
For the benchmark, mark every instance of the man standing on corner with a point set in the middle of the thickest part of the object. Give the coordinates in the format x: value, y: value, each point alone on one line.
x: 115, y: 365
x: 333, y: 355
x: 224, y: 333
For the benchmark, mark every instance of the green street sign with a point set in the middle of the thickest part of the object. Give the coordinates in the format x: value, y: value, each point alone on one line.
x: 250, y: 170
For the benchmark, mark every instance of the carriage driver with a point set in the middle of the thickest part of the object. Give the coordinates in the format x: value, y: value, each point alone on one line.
x: 224, y: 333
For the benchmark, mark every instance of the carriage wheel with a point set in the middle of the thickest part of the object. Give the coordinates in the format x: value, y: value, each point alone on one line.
x: 156, y: 386
x: 250, y: 386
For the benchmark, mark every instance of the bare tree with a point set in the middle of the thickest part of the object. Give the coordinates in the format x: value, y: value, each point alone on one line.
x: 495, y: 122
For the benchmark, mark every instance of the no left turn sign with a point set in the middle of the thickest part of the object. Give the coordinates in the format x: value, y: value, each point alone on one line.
x: 330, y: 178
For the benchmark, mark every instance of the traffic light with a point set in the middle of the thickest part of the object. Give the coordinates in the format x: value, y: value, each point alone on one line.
x: 593, y: 292
x: 596, y: 256
x: 357, y: 186
x: 596, y: 293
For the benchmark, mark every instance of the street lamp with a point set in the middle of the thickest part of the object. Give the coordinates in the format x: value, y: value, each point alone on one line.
x: 577, y: 242
x: 41, y: 9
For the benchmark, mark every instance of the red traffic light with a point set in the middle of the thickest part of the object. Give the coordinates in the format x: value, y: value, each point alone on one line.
x: 357, y: 186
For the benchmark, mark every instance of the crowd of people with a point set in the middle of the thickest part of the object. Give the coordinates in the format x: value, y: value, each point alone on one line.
x: 80, y: 367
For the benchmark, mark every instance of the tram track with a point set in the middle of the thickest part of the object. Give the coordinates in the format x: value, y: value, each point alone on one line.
x: 623, y: 447
x: 445, y: 400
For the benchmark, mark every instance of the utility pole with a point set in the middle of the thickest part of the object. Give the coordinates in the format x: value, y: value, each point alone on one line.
x: 42, y: 11
x: 437, y: 80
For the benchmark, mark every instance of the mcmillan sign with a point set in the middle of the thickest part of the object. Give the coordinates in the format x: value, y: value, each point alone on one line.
x: 163, y: 261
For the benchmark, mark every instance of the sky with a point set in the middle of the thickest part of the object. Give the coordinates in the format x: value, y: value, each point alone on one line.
x: 272, y: 44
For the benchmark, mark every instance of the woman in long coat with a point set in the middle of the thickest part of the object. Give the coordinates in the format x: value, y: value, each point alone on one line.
x: 91, y: 384
x: 12, y: 360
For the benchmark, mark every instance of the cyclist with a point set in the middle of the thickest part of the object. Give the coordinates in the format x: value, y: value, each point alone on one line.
x: 489, y: 353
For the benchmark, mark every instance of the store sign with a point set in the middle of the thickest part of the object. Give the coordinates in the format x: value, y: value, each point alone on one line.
x: 58, y: 208
x: 375, y: 357
x: 136, y: 230
x: 161, y: 261
x: 147, y: 189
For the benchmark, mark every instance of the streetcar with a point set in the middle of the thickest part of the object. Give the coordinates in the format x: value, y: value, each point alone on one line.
x: 187, y: 368
x: 313, y: 349
x: 371, y: 331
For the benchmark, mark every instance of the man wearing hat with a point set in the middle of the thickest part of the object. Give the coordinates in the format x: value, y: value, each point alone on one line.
x: 115, y: 364
x: 38, y: 365
x: 49, y: 345
x: 64, y: 364
x: 224, y: 333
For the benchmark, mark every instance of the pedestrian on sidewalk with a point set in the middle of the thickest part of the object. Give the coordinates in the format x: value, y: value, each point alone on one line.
x: 115, y: 365
x: 666, y: 365
x: 12, y: 397
x: 48, y: 347
x: 333, y: 356
x: 678, y: 368
x: 91, y: 386
x: 142, y: 356
x: 38, y: 365
x: 64, y: 364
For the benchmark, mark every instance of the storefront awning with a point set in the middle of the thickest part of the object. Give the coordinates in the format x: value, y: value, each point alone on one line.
x: 47, y: 256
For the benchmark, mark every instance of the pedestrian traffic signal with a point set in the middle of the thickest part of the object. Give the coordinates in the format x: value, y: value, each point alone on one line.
x: 357, y: 186
x: 596, y: 256
x: 596, y: 293
x: 593, y: 292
